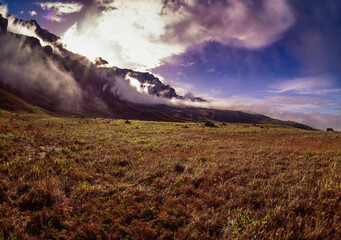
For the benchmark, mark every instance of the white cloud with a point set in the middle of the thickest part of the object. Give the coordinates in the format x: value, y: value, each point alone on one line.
x: 316, y: 120
x: 278, y: 107
x: 305, y: 85
x: 128, y: 88
x: 57, y: 10
x: 32, y: 13
x: 3, y: 10
x: 283, y: 108
x: 61, y: 8
x: 298, y: 100
x: 299, y: 103
x: 140, y: 34
x: 238, y: 23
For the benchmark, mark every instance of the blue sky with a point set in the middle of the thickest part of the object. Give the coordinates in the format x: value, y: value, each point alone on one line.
x: 281, y: 58
x: 309, y: 52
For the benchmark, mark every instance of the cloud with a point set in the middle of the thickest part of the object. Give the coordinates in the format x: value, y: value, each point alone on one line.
x: 277, y: 107
x: 61, y: 8
x: 31, y: 72
x: 249, y: 24
x: 316, y: 120
x: 56, y: 10
x: 140, y: 34
x: 3, y: 10
x: 305, y: 85
x: 296, y: 103
x: 32, y: 13
x: 126, y: 37
x: 128, y: 88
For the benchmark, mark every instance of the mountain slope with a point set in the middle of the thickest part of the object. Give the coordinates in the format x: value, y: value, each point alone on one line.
x: 12, y: 103
x: 65, y: 83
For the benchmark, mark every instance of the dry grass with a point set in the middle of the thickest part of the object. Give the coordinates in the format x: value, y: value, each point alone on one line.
x: 64, y: 178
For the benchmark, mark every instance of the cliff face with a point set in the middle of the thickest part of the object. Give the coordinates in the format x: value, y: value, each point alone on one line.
x: 3, y: 24
x: 152, y: 83
x: 44, y: 34
x: 41, y: 32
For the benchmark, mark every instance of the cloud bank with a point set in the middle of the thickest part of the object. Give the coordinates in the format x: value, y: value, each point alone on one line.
x: 140, y: 34
x: 128, y: 88
x: 283, y: 108
x: 279, y: 107
x: 32, y: 72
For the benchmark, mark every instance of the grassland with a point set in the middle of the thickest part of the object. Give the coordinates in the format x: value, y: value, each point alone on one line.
x: 86, y: 178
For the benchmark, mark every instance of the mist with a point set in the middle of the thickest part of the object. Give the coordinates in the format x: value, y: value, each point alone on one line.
x: 32, y: 72
x: 19, y: 27
x: 127, y: 88
x: 265, y: 106
x: 131, y: 90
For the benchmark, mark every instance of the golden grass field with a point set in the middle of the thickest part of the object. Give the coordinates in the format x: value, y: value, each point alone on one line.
x: 87, y: 178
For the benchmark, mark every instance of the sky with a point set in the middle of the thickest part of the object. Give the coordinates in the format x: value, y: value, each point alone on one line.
x: 281, y: 58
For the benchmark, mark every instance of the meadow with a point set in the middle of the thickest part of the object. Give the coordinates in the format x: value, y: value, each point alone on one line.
x: 96, y: 178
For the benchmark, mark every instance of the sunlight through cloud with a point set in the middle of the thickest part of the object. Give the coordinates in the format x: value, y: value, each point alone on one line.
x: 142, y: 34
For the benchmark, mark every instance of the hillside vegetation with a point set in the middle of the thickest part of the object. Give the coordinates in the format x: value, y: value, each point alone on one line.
x: 87, y: 178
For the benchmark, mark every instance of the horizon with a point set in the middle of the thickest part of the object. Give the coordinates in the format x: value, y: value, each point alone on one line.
x: 278, y: 58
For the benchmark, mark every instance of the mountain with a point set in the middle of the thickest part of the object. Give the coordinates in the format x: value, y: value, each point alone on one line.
x: 148, y: 81
x: 51, y: 78
x: 41, y: 32
x: 154, y: 85
x: 32, y: 24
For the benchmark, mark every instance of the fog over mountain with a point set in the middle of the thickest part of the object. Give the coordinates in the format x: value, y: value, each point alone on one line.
x: 37, y: 66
